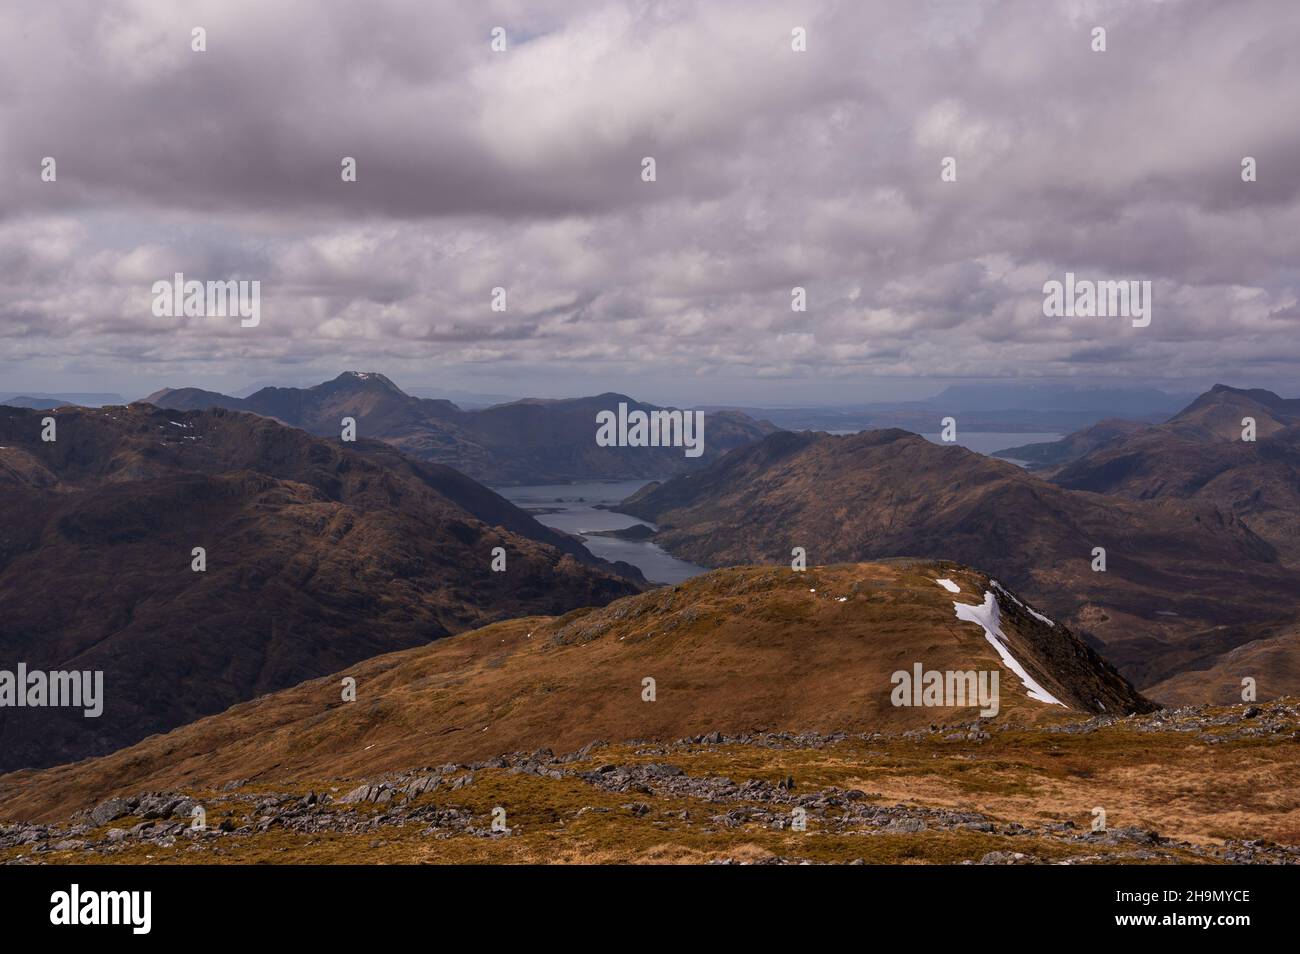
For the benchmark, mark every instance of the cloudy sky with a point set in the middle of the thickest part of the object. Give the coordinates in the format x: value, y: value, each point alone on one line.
x: 775, y: 168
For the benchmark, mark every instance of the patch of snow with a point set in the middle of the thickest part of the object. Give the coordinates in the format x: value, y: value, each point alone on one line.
x: 989, y: 619
x: 842, y: 599
x: 949, y: 585
x: 1024, y: 606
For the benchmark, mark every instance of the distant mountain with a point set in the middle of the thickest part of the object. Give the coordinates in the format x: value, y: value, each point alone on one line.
x: 1199, y: 455
x: 471, y: 400
x: 1129, y: 403
x: 1183, y: 578
x: 40, y: 404
x: 1217, y: 414
x: 730, y: 652
x: 1072, y: 447
x: 46, y: 401
x: 317, y: 555
x: 1014, y: 408
x: 524, y: 442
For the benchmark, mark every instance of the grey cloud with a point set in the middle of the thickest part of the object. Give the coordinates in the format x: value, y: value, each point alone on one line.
x: 775, y: 169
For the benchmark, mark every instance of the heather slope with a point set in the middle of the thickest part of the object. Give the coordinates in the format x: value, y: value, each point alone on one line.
x: 732, y: 651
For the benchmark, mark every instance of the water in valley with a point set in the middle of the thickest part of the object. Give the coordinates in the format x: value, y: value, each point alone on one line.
x: 572, y: 509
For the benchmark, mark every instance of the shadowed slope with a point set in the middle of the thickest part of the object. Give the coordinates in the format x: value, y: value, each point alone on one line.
x: 316, y: 556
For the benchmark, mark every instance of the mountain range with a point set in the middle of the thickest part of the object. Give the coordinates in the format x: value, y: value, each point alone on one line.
x: 1199, y: 455
x: 1184, y: 581
x: 318, y: 554
x: 984, y: 407
x: 525, y: 442
x: 330, y: 562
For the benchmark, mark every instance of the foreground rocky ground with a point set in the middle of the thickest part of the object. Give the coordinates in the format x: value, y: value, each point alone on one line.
x: 1198, y: 785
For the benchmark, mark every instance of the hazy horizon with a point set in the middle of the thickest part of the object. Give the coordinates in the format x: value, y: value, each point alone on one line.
x: 1021, y: 392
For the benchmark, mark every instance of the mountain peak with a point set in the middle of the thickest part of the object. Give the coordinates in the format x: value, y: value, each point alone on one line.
x: 1225, y: 396
x: 368, y: 379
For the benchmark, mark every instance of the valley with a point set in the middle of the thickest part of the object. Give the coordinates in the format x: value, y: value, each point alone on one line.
x: 586, y: 509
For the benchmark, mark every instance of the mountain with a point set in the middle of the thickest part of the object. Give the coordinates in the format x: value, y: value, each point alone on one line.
x: 42, y: 400
x: 318, y: 554
x: 1272, y: 661
x: 739, y: 650
x: 1128, y: 403
x: 524, y: 442
x: 1216, y: 415
x: 1072, y: 447
x: 1198, y: 455
x: 38, y: 403
x: 1183, y: 578
x: 1015, y: 408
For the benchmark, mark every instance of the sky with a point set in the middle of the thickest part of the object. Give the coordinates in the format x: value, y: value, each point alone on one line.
x: 774, y: 168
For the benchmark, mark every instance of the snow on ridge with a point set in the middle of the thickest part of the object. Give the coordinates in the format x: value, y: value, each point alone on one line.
x: 1024, y: 606
x: 949, y: 585
x: 990, y: 620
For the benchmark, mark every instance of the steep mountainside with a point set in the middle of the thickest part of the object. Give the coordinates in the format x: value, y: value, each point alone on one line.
x: 1199, y: 455
x: 317, y: 555
x: 1182, y: 580
x: 732, y: 651
x: 520, y: 443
